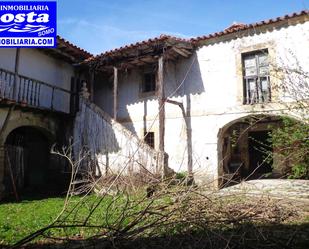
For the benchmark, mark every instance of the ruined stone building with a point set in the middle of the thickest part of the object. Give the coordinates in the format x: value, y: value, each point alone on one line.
x: 37, y: 110
x: 162, y: 104
x: 188, y: 97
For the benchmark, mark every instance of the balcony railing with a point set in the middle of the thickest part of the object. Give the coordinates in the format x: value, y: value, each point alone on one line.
x: 33, y: 93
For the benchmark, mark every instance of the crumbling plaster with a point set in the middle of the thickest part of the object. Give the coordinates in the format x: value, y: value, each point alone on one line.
x: 210, y: 86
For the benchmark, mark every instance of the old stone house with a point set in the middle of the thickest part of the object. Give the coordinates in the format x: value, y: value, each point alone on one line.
x: 188, y: 97
x: 158, y: 105
x: 37, y: 106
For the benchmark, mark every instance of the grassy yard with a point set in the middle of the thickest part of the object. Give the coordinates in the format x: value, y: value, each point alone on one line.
x: 20, y: 219
x: 183, y: 218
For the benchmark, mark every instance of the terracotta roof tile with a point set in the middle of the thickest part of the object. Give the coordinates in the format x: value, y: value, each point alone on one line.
x: 249, y: 26
x: 150, y: 41
x: 77, y: 51
x: 194, y: 41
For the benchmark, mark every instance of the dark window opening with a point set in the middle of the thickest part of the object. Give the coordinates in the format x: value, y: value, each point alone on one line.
x: 149, y: 139
x: 256, y: 77
x: 149, y: 83
x: 74, y: 100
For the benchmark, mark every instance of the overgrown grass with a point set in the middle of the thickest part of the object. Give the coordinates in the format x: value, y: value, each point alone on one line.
x: 20, y: 219
x: 181, y: 214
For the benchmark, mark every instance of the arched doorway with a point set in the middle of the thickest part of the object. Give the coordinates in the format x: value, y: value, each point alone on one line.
x: 245, y: 149
x: 27, y: 161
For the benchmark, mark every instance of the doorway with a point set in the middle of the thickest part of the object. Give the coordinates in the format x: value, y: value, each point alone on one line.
x: 27, y: 160
x: 259, y: 149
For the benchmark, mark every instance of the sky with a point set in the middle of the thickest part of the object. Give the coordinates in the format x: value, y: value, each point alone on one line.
x: 101, y: 25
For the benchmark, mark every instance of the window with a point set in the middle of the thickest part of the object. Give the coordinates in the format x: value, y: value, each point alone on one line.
x: 256, y: 77
x: 149, y: 139
x: 149, y: 83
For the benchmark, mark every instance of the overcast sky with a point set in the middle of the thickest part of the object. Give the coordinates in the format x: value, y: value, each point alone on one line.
x: 100, y: 25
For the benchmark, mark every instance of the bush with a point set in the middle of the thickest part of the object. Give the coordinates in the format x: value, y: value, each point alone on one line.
x: 291, y: 142
x: 181, y: 175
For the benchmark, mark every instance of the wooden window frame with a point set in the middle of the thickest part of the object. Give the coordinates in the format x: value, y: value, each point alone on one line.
x: 144, y: 91
x: 256, y: 95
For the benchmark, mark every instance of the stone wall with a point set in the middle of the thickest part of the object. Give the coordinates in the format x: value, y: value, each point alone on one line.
x: 112, y: 147
x: 47, y: 123
x: 210, y: 86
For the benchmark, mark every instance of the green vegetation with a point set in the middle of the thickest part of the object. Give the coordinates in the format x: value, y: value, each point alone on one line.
x: 291, y: 143
x: 20, y: 219
x: 180, y: 214
x: 181, y: 175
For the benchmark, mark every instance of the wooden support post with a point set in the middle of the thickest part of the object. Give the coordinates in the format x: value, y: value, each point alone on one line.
x: 161, y: 99
x: 115, y: 93
x: 145, y: 117
x: 73, y: 99
x: 189, y: 137
x: 91, y: 84
x: 15, y: 96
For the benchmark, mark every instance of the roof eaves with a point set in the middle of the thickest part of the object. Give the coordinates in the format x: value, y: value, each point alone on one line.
x: 136, y: 45
x: 77, y: 50
x: 248, y: 26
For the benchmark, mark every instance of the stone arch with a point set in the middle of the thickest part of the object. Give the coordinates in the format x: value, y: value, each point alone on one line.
x: 35, y: 122
x: 43, y: 124
x: 27, y: 159
x: 237, y: 145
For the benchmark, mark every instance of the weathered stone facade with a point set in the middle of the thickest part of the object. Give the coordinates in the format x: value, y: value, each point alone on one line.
x: 210, y: 86
x: 198, y: 90
x: 47, y: 124
x: 36, y: 99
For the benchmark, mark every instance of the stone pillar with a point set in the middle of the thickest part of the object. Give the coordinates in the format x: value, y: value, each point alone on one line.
x: 84, y: 93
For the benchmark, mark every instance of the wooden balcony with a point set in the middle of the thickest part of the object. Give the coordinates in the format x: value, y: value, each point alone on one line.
x: 31, y: 93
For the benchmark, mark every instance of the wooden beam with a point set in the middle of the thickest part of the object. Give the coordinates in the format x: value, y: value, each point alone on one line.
x: 186, y: 51
x: 17, y: 55
x: 161, y: 98
x: 115, y: 91
x: 181, y: 52
x: 185, y: 46
x: 145, y: 61
x: 174, y: 102
x: 148, y: 59
x: 91, y: 84
x: 142, y: 61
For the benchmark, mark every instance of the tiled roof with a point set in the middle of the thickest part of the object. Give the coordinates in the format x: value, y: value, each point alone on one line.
x: 150, y: 41
x: 194, y: 41
x: 74, y: 50
x: 240, y: 27
x: 235, y: 26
